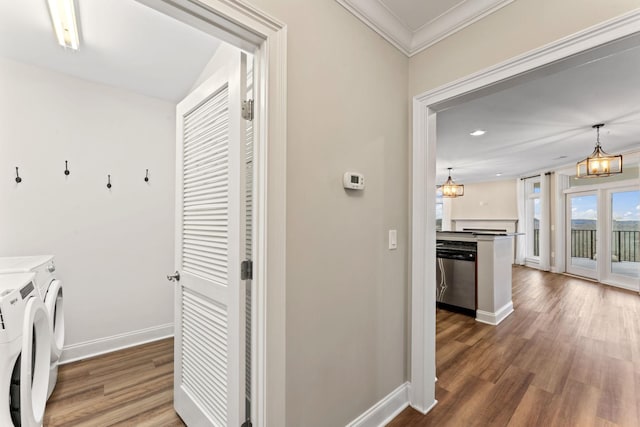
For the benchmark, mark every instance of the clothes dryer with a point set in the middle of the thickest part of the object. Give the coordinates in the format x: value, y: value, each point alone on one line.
x: 51, y: 292
x: 25, y: 347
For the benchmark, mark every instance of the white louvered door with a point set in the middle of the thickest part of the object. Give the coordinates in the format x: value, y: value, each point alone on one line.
x: 209, y: 378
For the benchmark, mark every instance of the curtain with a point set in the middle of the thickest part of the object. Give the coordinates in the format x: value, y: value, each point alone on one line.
x: 521, y: 238
x: 446, y: 214
x: 561, y: 184
x: 545, y: 222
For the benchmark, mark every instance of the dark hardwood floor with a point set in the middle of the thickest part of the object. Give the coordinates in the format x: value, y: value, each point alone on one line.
x: 568, y: 356
x: 132, y: 387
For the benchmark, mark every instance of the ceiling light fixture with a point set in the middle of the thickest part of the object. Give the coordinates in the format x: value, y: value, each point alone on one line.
x: 478, y: 132
x: 599, y: 163
x: 450, y: 189
x: 63, y: 18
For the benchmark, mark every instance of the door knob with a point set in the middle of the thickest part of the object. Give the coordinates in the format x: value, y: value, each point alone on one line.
x: 175, y: 277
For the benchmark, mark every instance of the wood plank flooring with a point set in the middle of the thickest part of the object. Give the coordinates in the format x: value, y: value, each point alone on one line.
x: 568, y: 356
x: 131, y: 387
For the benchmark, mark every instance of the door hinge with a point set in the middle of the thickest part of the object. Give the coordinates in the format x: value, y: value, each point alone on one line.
x: 246, y: 270
x: 247, y: 110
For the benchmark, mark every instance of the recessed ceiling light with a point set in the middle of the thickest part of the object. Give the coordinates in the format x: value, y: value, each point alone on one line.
x: 499, y: 174
x: 478, y: 132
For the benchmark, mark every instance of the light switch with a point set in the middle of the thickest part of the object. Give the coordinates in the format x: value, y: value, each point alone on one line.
x: 393, y: 239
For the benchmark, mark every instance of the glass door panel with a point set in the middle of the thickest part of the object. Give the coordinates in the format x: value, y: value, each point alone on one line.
x: 625, y: 233
x: 582, y: 219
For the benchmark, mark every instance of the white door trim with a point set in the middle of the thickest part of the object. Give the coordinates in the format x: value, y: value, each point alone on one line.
x: 425, y: 106
x: 248, y: 28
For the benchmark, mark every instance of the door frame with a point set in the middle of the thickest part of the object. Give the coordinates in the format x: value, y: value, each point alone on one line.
x: 425, y: 106
x: 603, y: 273
x: 252, y: 30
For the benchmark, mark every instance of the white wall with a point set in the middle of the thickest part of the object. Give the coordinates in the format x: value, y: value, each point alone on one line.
x: 486, y: 200
x: 113, y: 248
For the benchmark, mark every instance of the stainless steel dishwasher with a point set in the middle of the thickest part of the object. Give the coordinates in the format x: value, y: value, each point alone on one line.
x: 456, y: 276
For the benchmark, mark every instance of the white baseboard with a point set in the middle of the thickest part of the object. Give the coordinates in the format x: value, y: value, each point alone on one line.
x: 385, y: 410
x: 494, y: 318
x: 622, y: 286
x: 426, y: 411
x: 87, y: 349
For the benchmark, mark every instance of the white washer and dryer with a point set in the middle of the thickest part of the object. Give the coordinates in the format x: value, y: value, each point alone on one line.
x: 50, y: 290
x: 25, y: 348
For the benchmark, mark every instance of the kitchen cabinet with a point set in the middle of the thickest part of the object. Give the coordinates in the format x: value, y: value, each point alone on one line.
x: 494, y: 259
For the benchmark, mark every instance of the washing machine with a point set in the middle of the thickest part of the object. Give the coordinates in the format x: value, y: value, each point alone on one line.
x: 50, y: 290
x: 25, y: 348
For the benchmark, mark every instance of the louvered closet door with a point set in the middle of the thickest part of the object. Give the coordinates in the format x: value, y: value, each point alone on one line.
x: 209, y: 382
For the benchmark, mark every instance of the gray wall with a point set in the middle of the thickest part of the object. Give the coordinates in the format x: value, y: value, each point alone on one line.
x: 348, y: 99
x: 346, y: 292
x: 519, y: 27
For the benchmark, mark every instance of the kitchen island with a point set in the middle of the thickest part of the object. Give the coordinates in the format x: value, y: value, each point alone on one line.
x: 493, y: 271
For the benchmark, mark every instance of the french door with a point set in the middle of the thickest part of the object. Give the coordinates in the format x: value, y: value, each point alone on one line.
x: 582, y: 234
x: 603, y: 235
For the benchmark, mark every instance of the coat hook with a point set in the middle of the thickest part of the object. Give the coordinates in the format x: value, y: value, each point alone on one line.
x: 146, y: 177
x: 108, y: 181
x: 18, y: 179
x: 66, y: 168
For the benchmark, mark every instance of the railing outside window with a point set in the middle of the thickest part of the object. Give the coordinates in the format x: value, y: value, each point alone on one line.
x: 625, y: 245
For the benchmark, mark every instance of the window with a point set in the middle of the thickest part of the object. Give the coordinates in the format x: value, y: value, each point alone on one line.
x: 532, y: 217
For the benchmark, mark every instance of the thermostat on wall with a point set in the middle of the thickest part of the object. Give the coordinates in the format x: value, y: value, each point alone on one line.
x: 353, y: 181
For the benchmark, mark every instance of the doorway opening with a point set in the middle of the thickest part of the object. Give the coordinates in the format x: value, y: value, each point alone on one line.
x: 118, y: 176
x: 542, y: 62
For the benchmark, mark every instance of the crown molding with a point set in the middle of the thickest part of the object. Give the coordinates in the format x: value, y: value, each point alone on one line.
x: 381, y: 20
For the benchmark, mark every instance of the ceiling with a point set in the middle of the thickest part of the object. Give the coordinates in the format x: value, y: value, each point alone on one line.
x: 414, y: 25
x: 123, y: 43
x: 542, y: 124
x: 545, y: 123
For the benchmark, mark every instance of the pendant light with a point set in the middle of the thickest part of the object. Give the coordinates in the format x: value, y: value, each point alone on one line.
x: 599, y: 163
x: 450, y: 189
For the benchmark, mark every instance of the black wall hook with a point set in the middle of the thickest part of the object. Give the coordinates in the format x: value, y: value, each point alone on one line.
x: 18, y: 179
x: 146, y: 177
x: 66, y: 168
x: 108, y: 181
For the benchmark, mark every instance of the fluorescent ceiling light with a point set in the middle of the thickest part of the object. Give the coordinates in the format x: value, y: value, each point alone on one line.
x: 63, y: 18
x: 478, y: 132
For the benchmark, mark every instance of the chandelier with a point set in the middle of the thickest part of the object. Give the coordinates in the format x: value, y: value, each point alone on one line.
x: 599, y: 163
x: 451, y: 189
